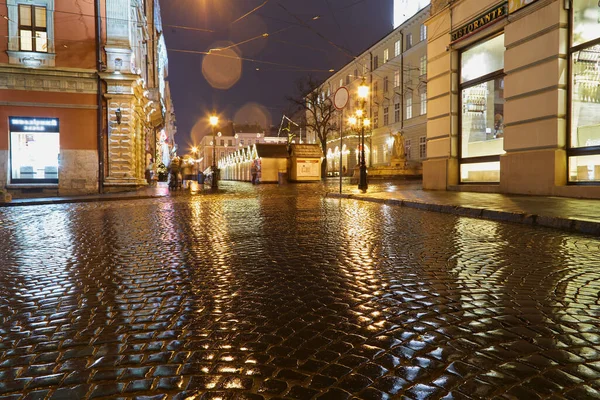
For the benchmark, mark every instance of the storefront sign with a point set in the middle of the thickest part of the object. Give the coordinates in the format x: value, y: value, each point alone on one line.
x: 28, y: 124
x: 480, y: 22
x: 514, y: 5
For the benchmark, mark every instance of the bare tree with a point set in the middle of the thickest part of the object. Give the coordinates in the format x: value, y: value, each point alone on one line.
x: 319, y: 112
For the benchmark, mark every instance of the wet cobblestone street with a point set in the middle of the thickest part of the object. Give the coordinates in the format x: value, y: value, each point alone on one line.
x: 266, y: 292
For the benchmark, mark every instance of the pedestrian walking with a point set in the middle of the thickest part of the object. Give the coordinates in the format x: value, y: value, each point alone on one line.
x: 254, y: 173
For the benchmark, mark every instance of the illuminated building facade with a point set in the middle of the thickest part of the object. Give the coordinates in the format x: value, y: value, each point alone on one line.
x: 83, y: 97
x: 395, y: 69
x: 513, y: 97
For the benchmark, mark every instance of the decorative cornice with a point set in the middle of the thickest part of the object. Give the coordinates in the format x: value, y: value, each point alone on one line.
x: 47, y: 80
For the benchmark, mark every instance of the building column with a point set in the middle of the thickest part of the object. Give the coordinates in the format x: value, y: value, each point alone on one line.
x: 441, y: 167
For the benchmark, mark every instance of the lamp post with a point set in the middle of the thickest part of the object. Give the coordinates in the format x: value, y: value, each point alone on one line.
x: 214, y: 120
x: 363, y: 94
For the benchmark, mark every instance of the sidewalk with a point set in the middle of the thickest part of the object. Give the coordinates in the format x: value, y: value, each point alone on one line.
x: 147, y: 193
x: 576, y: 215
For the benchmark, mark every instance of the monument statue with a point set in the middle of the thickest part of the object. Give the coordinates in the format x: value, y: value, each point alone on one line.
x: 399, y: 146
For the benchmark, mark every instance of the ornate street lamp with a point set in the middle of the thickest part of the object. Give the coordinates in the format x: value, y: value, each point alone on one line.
x: 214, y: 120
x: 363, y: 93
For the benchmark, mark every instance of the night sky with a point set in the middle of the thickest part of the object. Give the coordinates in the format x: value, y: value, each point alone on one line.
x: 297, y: 45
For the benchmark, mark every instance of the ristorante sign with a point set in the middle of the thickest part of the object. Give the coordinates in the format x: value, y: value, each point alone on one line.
x: 480, y: 22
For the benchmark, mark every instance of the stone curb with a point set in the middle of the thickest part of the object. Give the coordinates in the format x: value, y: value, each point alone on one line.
x: 560, y: 223
x: 76, y: 200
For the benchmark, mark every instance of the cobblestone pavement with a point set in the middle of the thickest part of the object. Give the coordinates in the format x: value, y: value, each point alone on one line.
x: 265, y: 292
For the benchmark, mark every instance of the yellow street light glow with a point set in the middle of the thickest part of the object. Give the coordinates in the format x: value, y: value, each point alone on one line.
x: 352, y: 121
x: 194, y: 149
x: 363, y: 91
x: 367, y: 122
x: 214, y: 120
x: 359, y: 113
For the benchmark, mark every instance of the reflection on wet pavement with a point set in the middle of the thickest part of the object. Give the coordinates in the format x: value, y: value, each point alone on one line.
x: 261, y: 292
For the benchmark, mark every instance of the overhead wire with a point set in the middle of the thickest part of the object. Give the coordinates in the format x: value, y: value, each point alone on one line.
x: 250, y: 12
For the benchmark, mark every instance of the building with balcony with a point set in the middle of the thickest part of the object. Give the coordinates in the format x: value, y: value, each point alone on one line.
x: 513, y: 88
x: 83, y: 96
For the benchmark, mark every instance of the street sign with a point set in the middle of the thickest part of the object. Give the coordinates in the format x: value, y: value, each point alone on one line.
x: 340, y: 98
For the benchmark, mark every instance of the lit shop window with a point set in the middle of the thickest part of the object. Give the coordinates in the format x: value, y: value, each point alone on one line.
x: 584, y: 143
x: 34, y: 150
x: 482, y: 111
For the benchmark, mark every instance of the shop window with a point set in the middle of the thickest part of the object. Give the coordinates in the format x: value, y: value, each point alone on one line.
x: 482, y: 111
x: 584, y: 141
x: 34, y: 150
x: 586, y: 15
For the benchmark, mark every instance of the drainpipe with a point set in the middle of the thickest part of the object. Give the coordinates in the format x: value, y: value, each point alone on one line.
x: 402, y: 83
x: 99, y: 122
x: 371, y: 110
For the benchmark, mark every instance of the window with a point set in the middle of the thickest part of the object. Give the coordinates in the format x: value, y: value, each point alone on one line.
x: 375, y: 88
x: 397, y: 48
x: 230, y: 142
x: 397, y: 112
x: 397, y: 78
x: 34, y: 150
x: 423, y: 32
x: 341, y: 82
x: 375, y: 63
x: 386, y: 118
x: 356, y: 73
x: 409, y: 41
x: 222, y: 142
x: 584, y: 138
x: 423, y: 147
x: 482, y: 111
x: 386, y: 55
x: 423, y: 65
x: 409, y: 104
x: 423, y: 96
x: 32, y: 28
x: 347, y: 79
x: 242, y: 142
x: 386, y: 84
x: 375, y: 119
x: 222, y: 154
x: 407, y: 147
